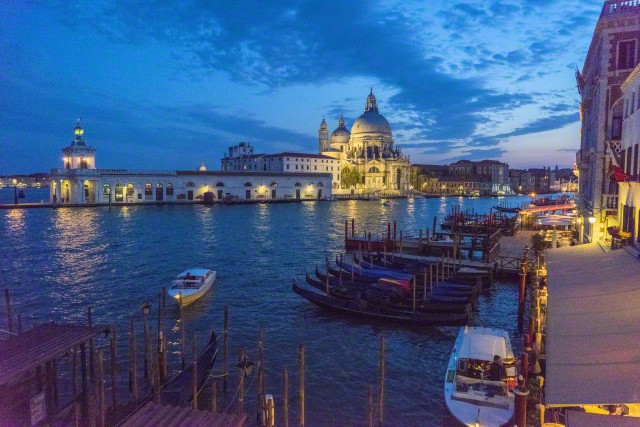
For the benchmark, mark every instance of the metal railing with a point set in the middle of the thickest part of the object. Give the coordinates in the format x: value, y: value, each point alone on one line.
x: 610, y: 201
x: 620, y: 6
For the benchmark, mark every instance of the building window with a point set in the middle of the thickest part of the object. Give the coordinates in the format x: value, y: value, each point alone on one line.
x: 106, y: 190
x: 315, y: 168
x: 626, y: 54
x: 634, y: 171
x: 296, y: 167
x: 147, y: 190
x: 287, y: 166
x: 169, y: 189
x: 616, y: 126
x: 119, y: 193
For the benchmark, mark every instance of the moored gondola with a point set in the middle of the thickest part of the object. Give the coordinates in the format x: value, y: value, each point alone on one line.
x: 363, y: 308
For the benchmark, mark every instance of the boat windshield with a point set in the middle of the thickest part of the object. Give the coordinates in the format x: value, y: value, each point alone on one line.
x: 190, y: 283
x: 486, y: 387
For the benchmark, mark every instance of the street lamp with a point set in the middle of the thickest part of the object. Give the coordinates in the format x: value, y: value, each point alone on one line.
x: 592, y: 220
x: 15, y: 191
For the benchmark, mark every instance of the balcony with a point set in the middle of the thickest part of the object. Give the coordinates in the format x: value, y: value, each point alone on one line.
x: 610, y: 202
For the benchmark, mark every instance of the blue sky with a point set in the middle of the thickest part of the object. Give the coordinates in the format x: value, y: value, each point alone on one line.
x: 171, y: 86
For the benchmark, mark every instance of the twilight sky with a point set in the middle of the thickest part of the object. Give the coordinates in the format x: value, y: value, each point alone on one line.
x: 172, y: 86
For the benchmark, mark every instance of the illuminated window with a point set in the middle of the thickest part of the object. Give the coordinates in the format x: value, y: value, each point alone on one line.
x: 169, y: 189
x: 130, y: 190
x: 119, y: 193
x: 147, y: 190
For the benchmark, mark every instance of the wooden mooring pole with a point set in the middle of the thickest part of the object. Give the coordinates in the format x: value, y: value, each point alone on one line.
x: 183, y: 332
x: 194, y: 364
x: 7, y: 299
x: 114, y: 371
x: 521, y: 294
x: 285, y: 399
x: 381, y: 382
x: 225, y: 349
x: 260, y: 404
x: 240, y: 384
x: 133, y: 377
x: 370, y: 406
x: 301, y: 382
x: 100, y: 383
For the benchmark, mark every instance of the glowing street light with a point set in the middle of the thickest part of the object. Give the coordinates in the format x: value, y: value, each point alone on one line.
x: 592, y: 220
x: 15, y: 191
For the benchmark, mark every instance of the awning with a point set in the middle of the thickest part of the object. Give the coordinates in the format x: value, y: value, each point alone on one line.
x: 559, y: 220
x: 593, y: 327
x: 584, y: 419
x: 549, y: 208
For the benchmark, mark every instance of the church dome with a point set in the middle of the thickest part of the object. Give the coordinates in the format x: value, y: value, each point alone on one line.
x: 371, y: 121
x: 341, y: 135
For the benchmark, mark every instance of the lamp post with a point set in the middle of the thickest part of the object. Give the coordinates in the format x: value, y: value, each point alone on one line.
x: 15, y: 191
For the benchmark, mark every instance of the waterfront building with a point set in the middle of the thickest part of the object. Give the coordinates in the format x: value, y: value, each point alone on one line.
x: 241, y: 158
x: 612, y: 55
x: 34, y: 180
x: 464, y: 177
x: 534, y: 180
x: 629, y: 189
x: 81, y: 182
x: 369, y: 162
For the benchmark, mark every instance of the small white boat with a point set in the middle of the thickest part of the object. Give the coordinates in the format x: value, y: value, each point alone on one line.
x: 192, y: 284
x: 470, y: 395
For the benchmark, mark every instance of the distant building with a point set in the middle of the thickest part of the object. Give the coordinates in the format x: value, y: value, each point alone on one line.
x: 242, y: 159
x: 81, y: 182
x: 34, y: 180
x: 534, y: 180
x: 464, y: 177
x: 613, y: 54
x: 629, y: 189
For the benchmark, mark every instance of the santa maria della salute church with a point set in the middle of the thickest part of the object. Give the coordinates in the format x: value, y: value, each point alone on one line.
x: 369, y: 163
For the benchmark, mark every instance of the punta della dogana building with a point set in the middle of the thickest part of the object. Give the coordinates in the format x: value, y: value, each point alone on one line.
x: 80, y: 182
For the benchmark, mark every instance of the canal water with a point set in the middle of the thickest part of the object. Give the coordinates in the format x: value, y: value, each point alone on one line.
x: 58, y: 262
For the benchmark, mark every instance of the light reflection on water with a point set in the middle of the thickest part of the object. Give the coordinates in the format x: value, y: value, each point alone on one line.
x: 58, y: 262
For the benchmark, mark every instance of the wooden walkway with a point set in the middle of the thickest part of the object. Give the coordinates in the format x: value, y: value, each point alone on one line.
x: 152, y: 415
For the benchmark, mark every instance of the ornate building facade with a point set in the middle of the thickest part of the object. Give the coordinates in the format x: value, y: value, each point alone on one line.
x: 80, y: 182
x: 368, y: 159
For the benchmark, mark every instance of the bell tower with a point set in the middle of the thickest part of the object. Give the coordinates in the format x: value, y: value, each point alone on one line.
x: 323, y: 137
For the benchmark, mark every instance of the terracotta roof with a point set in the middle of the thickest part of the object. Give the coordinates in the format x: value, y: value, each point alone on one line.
x: 153, y: 415
x: 26, y: 351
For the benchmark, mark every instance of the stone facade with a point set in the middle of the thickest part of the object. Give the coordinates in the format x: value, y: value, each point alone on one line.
x: 612, y: 55
x: 80, y: 182
x: 369, y: 161
x: 629, y: 192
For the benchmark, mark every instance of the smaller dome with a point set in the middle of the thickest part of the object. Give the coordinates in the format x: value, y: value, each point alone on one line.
x: 323, y: 125
x: 202, y: 168
x: 340, y: 136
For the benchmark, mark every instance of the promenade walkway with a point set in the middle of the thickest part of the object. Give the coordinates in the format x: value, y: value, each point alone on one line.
x: 592, y: 327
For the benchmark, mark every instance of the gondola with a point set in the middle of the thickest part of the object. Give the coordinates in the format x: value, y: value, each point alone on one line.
x: 354, y: 277
x: 506, y: 210
x: 178, y: 391
x: 363, y: 308
x: 376, y: 274
x: 393, y: 298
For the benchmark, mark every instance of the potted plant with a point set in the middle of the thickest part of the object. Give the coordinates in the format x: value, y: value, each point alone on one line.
x: 537, y: 243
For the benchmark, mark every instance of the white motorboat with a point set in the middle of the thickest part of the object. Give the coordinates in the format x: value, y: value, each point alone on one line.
x: 192, y: 284
x: 470, y: 395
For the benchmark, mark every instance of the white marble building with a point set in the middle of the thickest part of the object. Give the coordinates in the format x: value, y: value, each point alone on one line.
x: 79, y: 182
x: 369, y: 161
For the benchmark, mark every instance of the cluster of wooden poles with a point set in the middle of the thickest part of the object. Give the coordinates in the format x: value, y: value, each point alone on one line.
x: 98, y: 412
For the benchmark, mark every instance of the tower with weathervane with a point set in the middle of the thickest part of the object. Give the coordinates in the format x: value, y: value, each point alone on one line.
x: 76, y: 181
